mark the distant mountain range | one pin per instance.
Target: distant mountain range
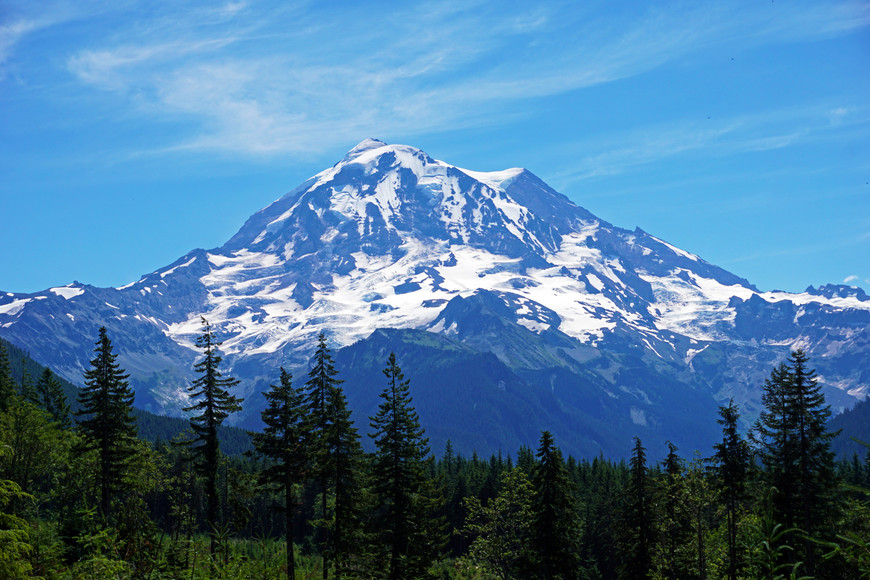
(510, 309)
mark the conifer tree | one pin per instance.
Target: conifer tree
(52, 398)
(28, 389)
(7, 383)
(334, 445)
(214, 403)
(637, 542)
(320, 387)
(730, 468)
(675, 522)
(555, 523)
(773, 436)
(283, 440)
(107, 424)
(795, 448)
(400, 477)
(344, 461)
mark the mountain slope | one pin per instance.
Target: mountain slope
(625, 331)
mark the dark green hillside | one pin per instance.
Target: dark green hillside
(854, 424)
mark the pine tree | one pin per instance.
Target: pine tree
(730, 468)
(51, 397)
(7, 383)
(795, 448)
(556, 527)
(283, 440)
(774, 439)
(344, 461)
(214, 403)
(107, 424)
(400, 477)
(675, 520)
(320, 388)
(637, 543)
(334, 444)
(28, 389)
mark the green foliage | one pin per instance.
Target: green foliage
(15, 544)
(637, 541)
(283, 441)
(101, 546)
(337, 467)
(502, 529)
(850, 550)
(7, 383)
(51, 397)
(405, 499)
(28, 389)
(106, 422)
(768, 550)
(731, 470)
(714, 518)
(795, 449)
(214, 403)
(159, 429)
(674, 556)
(35, 447)
(556, 526)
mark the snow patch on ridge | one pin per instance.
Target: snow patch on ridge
(168, 272)
(68, 292)
(495, 179)
(13, 307)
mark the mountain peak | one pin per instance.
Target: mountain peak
(363, 146)
(553, 313)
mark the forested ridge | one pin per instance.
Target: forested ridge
(92, 488)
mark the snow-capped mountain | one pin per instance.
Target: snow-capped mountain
(594, 332)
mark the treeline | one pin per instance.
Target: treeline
(82, 495)
(151, 427)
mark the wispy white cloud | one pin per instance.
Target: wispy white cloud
(11, 33)
(20, 19)
(622, 152)
(850, 279)
(266, 81)
(814, 247)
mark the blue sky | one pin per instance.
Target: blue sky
(132, 132)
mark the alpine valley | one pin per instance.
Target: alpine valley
(510, 309)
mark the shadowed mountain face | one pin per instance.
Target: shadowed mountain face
(510, 309)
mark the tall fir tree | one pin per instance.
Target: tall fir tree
(637, 532)
(401, 483)
(731, 465)
(106, 421)
(795, 448)
(556, 528)
(344, 461)
(214, 403)
(28, 388)
(322, 382)
(52, 398)
(337, 469)
(674, 554)
(7, 383)
(283, 440)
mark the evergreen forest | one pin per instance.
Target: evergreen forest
(91, 488)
